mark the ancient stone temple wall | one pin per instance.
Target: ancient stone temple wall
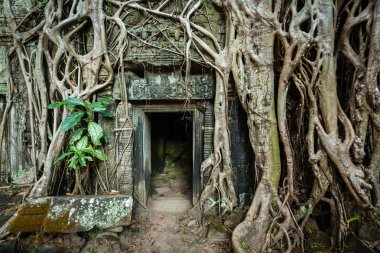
(156, 74)
(15, 158)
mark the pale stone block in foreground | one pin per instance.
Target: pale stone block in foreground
(69, 214)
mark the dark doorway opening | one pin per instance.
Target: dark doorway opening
(159, 120)
(171, 153)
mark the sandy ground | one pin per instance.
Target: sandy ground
(161, 227)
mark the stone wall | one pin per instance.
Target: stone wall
(15, 152)
(155, 74)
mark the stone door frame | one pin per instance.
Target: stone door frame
(142, 160)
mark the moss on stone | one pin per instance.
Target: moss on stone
(30, 218)
(61, 224)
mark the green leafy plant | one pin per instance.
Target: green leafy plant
(42, 4)
(107, 9)
(16, 188)
(86, 135)
(312, 247)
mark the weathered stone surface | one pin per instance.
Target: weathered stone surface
(104, 243)
(72, 240)
(168, 35)
(45, 249)
(72, 214)
(169, 86)
(123, 150)
(116, 229)
(125, 239)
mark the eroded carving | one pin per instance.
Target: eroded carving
(172, 86)
(124, 146)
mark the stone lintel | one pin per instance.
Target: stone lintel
(69, 214)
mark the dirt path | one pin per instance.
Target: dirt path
(161, 228)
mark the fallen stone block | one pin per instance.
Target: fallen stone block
(69, 214)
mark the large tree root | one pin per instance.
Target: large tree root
(261, 228)
(339, 145)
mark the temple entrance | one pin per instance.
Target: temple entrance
(167, 152)
(171, 154)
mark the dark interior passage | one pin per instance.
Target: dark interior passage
(171, 153)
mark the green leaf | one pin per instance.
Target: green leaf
(73, 162)
(42, 4)
(100, 155)
(63, 156)
(88, 158)
(71, 120)
(97, 105)
(107, 113)
(76, 135)
(303, 210)
(95, 131)
(211, 202)
(356, 217)
(88, 151)
(82, 143)
(73, 102)
(308, 230)
(244, 245)
(105, 101)
(55, 105)
(82, 161)
(98, 108)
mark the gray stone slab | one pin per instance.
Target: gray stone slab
(69, 214)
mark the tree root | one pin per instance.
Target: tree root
(261, 229)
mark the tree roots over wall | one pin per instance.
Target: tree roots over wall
(305, 72)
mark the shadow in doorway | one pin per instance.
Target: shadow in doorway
(171, 153)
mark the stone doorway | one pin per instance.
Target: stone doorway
(171, 153)
(167, 151)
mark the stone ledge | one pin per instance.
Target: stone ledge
(69, 214)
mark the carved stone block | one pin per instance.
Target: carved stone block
(170, 87)
(124, 146)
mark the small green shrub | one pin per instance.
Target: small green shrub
(107, 8)
(86, 135)
(16, 188)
